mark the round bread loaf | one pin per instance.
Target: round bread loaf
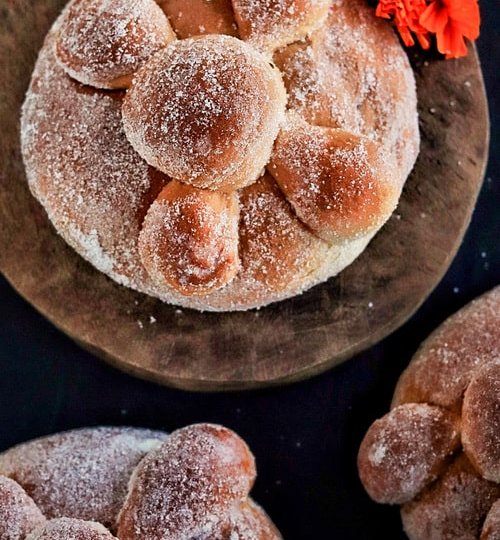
(138, 483)
(19, 515)
(446, 402)
(207, 111)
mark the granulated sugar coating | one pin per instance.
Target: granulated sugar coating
(82, 474)
(270, 24)
(405, 451)
(190, 484)
(350, 74)
(443, 366)
(453, 508)
(218, 104)
(337, 182)
(190, 238)
(491, 526)
(146, 485)
(70, 529)
(225, 103)
(446, 402)
(19, 515)
(481, 420)
(103, 41)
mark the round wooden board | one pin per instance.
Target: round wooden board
(287, 341)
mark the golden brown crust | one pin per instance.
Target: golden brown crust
(481, 420)
(97, 189)
(71, 529)
(19, 514)
(453, 508)
(270, 24)
(225, 107)
(443, 366)
(405, 451)
(189, 239)
(349, 74)
(200, 17)
(491, 526)
(189, 485)
(336, 181)
(103, 42)
(275, 246)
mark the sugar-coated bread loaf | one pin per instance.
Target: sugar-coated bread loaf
(207, 84)
(437, 451)
(137, 483)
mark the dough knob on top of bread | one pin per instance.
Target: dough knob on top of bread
(336, 181)
(187, 487)
(198, 17)
(206, 111)
(405, 451)
(481, 420)
(270, 24)
(19, 514)
(189, 239)
(70, 529)
(103, 42)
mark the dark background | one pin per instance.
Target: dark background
(306, 436)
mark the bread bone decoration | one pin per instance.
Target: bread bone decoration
(437, 452)
(132, 484)
(219, 155)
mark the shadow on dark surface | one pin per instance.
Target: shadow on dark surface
(305, 436)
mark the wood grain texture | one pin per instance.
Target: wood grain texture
(281, 343)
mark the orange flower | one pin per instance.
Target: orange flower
(451, 21)
(406, 15)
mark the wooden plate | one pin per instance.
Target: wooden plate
(285, 342)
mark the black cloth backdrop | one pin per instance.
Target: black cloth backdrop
(305, 436)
